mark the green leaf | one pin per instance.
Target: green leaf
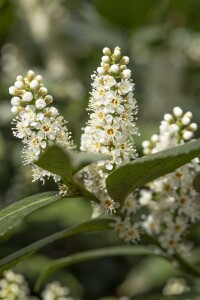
(56, 161)
(66, 163)
(135, 174)
(81, 160)
(89, 255)
(196, 183)
(93, 225)
(13, 214)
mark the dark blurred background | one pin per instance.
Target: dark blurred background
(62, 40)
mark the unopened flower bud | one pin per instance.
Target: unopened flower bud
(124, 60)
(187, 135)
(122, 68)
(19, 78)
(16, 109)
(48, 99)
(19, 84)
(168, 118)
(16, 101)
(105, 59)
(27, 97)
(126, 74)
(13, 91)
(34, 84)
(53, 111)
(101, 70)
(40, 104)
(177, 111)
(193, 127)
(146, 144)
(42, 91)
(39, 78)
(106, 51)
(174, 127)
(186, 120)
(147, 151)
(30, 75)
(114, 69)
(155, 138)
(117, 53)
(188, 114)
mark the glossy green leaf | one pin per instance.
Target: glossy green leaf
(13, 214)
(14, 258)
(89, 255)
(66, 163)
(135, 174)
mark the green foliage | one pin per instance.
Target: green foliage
(196, 183)
(13, 214)
(56, 161)
(66, 163)
(14, 258)
(143, 170)
(90, 255)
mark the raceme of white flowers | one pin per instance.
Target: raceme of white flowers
(171, 202)
(37, 124)
(111, 124)
(109, 130)
(14, 287)
(55, 291)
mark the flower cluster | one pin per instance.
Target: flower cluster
(127, 229)
(171, 201)
(13, 287)
(111, 125)
(37, 124)
(113, 108)
(55, 291)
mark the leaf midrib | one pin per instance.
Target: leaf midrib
(25, 207)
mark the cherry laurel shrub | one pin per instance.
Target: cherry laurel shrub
(152, 199)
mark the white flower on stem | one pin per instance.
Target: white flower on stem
(13, 287)
(172, 205)
(36, 124)
(55, 291)
(112, 120)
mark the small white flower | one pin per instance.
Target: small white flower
(37, 129)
